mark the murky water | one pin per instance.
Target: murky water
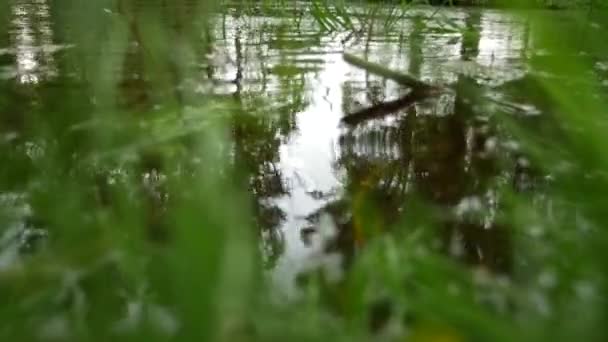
(310, 171)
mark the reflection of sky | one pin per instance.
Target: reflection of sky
(307, 161)
(502, 38)
(502, 45)
(32, 38)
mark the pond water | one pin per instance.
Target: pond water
(315, 177)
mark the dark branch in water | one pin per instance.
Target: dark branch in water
(420, 90)
(396, 76)
(381, 109)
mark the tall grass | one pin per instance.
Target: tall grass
(125, 213)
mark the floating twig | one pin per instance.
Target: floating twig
(396, 76)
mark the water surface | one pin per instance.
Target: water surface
(313, 176)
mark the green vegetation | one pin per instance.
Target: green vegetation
(134, 186)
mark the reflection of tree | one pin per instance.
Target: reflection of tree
(234, 60)
(443, 158)
(471, 35)
(256, 153)
(438, 150)
(266, 117)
